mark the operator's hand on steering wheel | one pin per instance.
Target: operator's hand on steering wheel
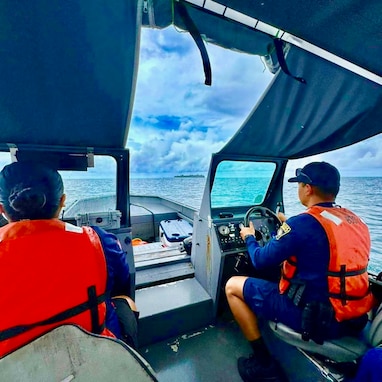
(281, 217)
(245, 231)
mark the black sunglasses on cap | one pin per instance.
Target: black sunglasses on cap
(302, 177)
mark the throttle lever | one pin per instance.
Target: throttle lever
(240, 257)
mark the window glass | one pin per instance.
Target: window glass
(241, 183)
(93, 190)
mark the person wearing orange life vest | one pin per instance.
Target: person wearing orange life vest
(53, 272)
(324, 288)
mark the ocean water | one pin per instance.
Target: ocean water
(361, 195)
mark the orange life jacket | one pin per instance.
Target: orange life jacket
(51, 273)
(348, 280)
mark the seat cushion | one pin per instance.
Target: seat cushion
(375, 333)
(344, 349)
(69, 352)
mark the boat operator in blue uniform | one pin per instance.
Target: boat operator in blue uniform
(324, 288)
(52, 272)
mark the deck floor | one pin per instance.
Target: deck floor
(209, 354)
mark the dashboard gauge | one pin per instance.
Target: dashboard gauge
(224, 230)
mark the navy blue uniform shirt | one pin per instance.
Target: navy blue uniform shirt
(117, 275)
(306, 239)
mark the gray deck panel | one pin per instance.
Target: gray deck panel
(169, 296)
(164, 273)
(170, 309)
(206, 355)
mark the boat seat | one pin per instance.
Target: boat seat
(344, 349)
(70, 353)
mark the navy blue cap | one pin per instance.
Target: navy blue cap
(321, 174)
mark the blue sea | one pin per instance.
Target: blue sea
(361, 195)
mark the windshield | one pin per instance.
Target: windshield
(93, 190)
(241, 183)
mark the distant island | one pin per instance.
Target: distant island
(189, 176)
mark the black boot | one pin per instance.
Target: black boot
(251, 370)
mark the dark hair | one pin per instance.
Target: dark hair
(30, 190)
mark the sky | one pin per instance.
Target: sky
(178, 122)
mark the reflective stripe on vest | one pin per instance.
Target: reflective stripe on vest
(53, 273)
(349, 245)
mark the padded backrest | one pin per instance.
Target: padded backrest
(375, 331)
(69, 353)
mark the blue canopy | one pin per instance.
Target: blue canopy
(67, 71)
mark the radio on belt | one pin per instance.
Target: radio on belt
(173, 232)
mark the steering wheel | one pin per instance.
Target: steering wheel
(243, 263)
(264, 211)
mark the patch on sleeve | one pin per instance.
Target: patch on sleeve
(283, 230)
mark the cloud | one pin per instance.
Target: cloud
(361, 159)
(175, 151)
(178, 122)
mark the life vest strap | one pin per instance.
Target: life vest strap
(295, 292)
(91, 304)
(342, 274)
(340, 296)
(347, 273)
(291, 261)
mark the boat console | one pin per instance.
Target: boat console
(233, 249)
(228, 229)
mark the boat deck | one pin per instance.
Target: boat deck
(210, 355)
